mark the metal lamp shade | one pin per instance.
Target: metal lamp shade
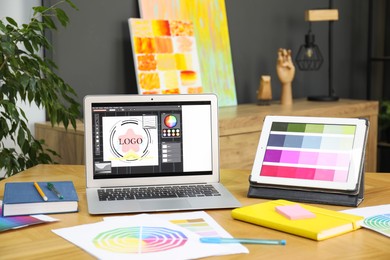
(309, 56)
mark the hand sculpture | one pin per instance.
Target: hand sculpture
(286, 72)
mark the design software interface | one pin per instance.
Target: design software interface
(153, 139)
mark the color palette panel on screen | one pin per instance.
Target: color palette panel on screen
(309, 151)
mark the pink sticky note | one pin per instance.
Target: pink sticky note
(294, 212)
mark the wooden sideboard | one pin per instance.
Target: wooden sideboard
(239, 129)
(67, 143)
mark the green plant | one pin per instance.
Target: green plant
(27, 77)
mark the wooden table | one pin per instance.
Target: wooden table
(39, 242)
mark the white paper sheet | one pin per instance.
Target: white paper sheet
(143, 236)
(376, 218)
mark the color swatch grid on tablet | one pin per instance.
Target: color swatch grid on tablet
(309, 151)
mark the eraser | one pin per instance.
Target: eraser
(294, 212)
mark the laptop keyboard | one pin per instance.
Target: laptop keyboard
(157, 192)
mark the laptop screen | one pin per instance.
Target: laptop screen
(151, 139)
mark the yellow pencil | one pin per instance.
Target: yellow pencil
(40, 191)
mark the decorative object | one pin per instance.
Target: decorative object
(286, 71)
(264, 94)
(165, 56)
(26, 77)
(309, 57)
(212, 39)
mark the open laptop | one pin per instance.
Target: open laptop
(147, 153)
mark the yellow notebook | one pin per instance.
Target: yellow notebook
(325, 224)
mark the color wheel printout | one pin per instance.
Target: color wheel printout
(139, 237)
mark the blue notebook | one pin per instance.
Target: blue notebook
(23, 198)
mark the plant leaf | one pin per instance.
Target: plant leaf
(72, 4)
(62, 17)
(49, 22)
(11, 21)
(39, 9)
(21, 137)
(8, 48)
(28, 46)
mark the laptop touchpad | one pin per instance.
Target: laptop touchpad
(164, 204)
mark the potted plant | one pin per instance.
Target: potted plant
(27, 77)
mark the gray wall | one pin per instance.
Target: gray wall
(94, 52)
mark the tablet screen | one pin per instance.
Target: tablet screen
(310, 152)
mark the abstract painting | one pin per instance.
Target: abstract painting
(165, 56)
(212, 39)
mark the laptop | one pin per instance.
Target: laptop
(152, 153)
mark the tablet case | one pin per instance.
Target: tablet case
(351, 198)
(312, 195)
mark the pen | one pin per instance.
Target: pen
(40, 191)
(51, 187)
(220, 240)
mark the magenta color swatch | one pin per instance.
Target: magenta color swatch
(269, 170)
(272, 155)
(301, 173)
(289, 156)
(309, 158)
(324, 175)
(327, 159)
(305, 173)
(286, 172)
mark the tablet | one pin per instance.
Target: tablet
(311, 152)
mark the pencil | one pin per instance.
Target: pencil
(40, 191)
